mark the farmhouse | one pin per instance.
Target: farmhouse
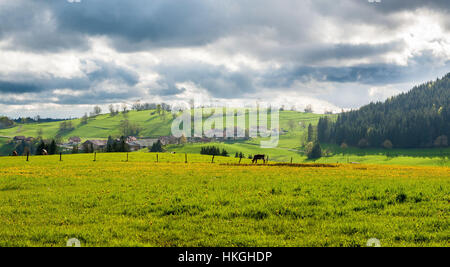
(215, 133)
(74, 140)
(95, 144)
(19, 138)
(131, 139)
(199, 139)
(166, 140)
(141, 143)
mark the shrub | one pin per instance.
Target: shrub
(316, 151)
(387, 144)
(363, 143)
(5, 122)
(211, 150)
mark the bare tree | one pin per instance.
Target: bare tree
(97, 110)
(309, 109)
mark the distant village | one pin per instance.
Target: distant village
(128, 142)
(133, 143)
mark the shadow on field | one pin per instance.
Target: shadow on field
(297, 165)
(390, 153)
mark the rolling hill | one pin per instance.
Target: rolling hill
(294, 126)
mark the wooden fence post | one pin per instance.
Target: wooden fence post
(28, 155)
(185, 158)
(240, 158)
(291, 160)
(127, 157)
(60, 156)
(157, 158)
(95, 156)
(212, 159)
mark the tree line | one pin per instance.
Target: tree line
(37, 147)
(419, 118)
(213, 151)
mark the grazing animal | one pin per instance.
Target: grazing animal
(44, 152)
(258, 157)
(15, 154)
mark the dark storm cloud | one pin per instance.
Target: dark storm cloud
(348, 51)
(50, 25)
(97, 97)
(110, 71)
(166, 88)
(26, 83)
(222, 83)
(401, 5)
(37, 84)
(419, 67)
(18, 87)
(158, 23)
(89, 97)
(141, 25)
(133, 25)
(31, 26)
(219, 81)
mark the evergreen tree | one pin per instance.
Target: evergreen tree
(42, 145)
(156, 147)
(224, 153)
(316, 151)
(310, 133)
(212, 150)
(53, 148)
(324, 129)
(110, 145)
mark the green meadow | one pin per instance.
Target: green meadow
(112, 202)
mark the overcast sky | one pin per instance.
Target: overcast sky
(58, 58)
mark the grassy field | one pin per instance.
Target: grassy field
(111, 202)
(411, 157)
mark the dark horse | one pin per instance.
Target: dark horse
(15, 154)
(258, 157)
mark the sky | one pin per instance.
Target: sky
(60, 58)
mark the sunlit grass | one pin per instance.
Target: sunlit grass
(112, 202)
